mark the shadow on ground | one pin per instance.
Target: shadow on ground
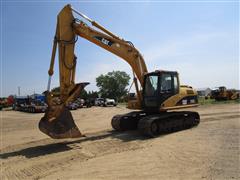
(63, 145)
(51, 148)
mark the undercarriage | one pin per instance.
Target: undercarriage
(153, 124)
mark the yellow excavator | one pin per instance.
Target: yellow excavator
(157, 93)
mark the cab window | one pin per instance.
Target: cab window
(151, 85)
(166, 83)
(169, 83)
(176, 84)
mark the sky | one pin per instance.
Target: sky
(198, 39)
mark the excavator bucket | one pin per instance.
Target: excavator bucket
(61, 127)
(58, 122)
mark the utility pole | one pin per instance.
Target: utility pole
(19, 90)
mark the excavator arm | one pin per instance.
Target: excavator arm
(57, 121)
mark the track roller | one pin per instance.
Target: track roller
(149, 126)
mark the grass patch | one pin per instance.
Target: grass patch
(122, 104)
(203, 101)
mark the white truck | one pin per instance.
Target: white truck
(105, 102)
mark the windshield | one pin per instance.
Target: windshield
(151, 84)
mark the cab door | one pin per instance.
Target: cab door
(151, 91)
(169, 86)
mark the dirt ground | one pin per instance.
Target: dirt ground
(208, 151)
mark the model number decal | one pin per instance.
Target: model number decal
(192, 101)
(184, 102)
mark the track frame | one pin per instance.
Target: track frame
(153, 124)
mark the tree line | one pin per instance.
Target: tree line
(111, 85)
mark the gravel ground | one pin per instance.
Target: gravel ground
(208, 151)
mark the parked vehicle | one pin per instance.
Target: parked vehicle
(6, 102)
(88, 103)
(99, 101)
(222, 93)
(105, 102)
(110, 102)
(72, 106)
(79, 102)
(27, 104)
(36, 107)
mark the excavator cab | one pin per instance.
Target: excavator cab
(158, 87)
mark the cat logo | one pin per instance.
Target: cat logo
(103, 40)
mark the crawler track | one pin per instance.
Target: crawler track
(154, 124)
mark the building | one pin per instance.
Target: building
(204, 91)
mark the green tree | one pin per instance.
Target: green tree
(87, 95)
(113, 84)
(92, 94)
(84, 94)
